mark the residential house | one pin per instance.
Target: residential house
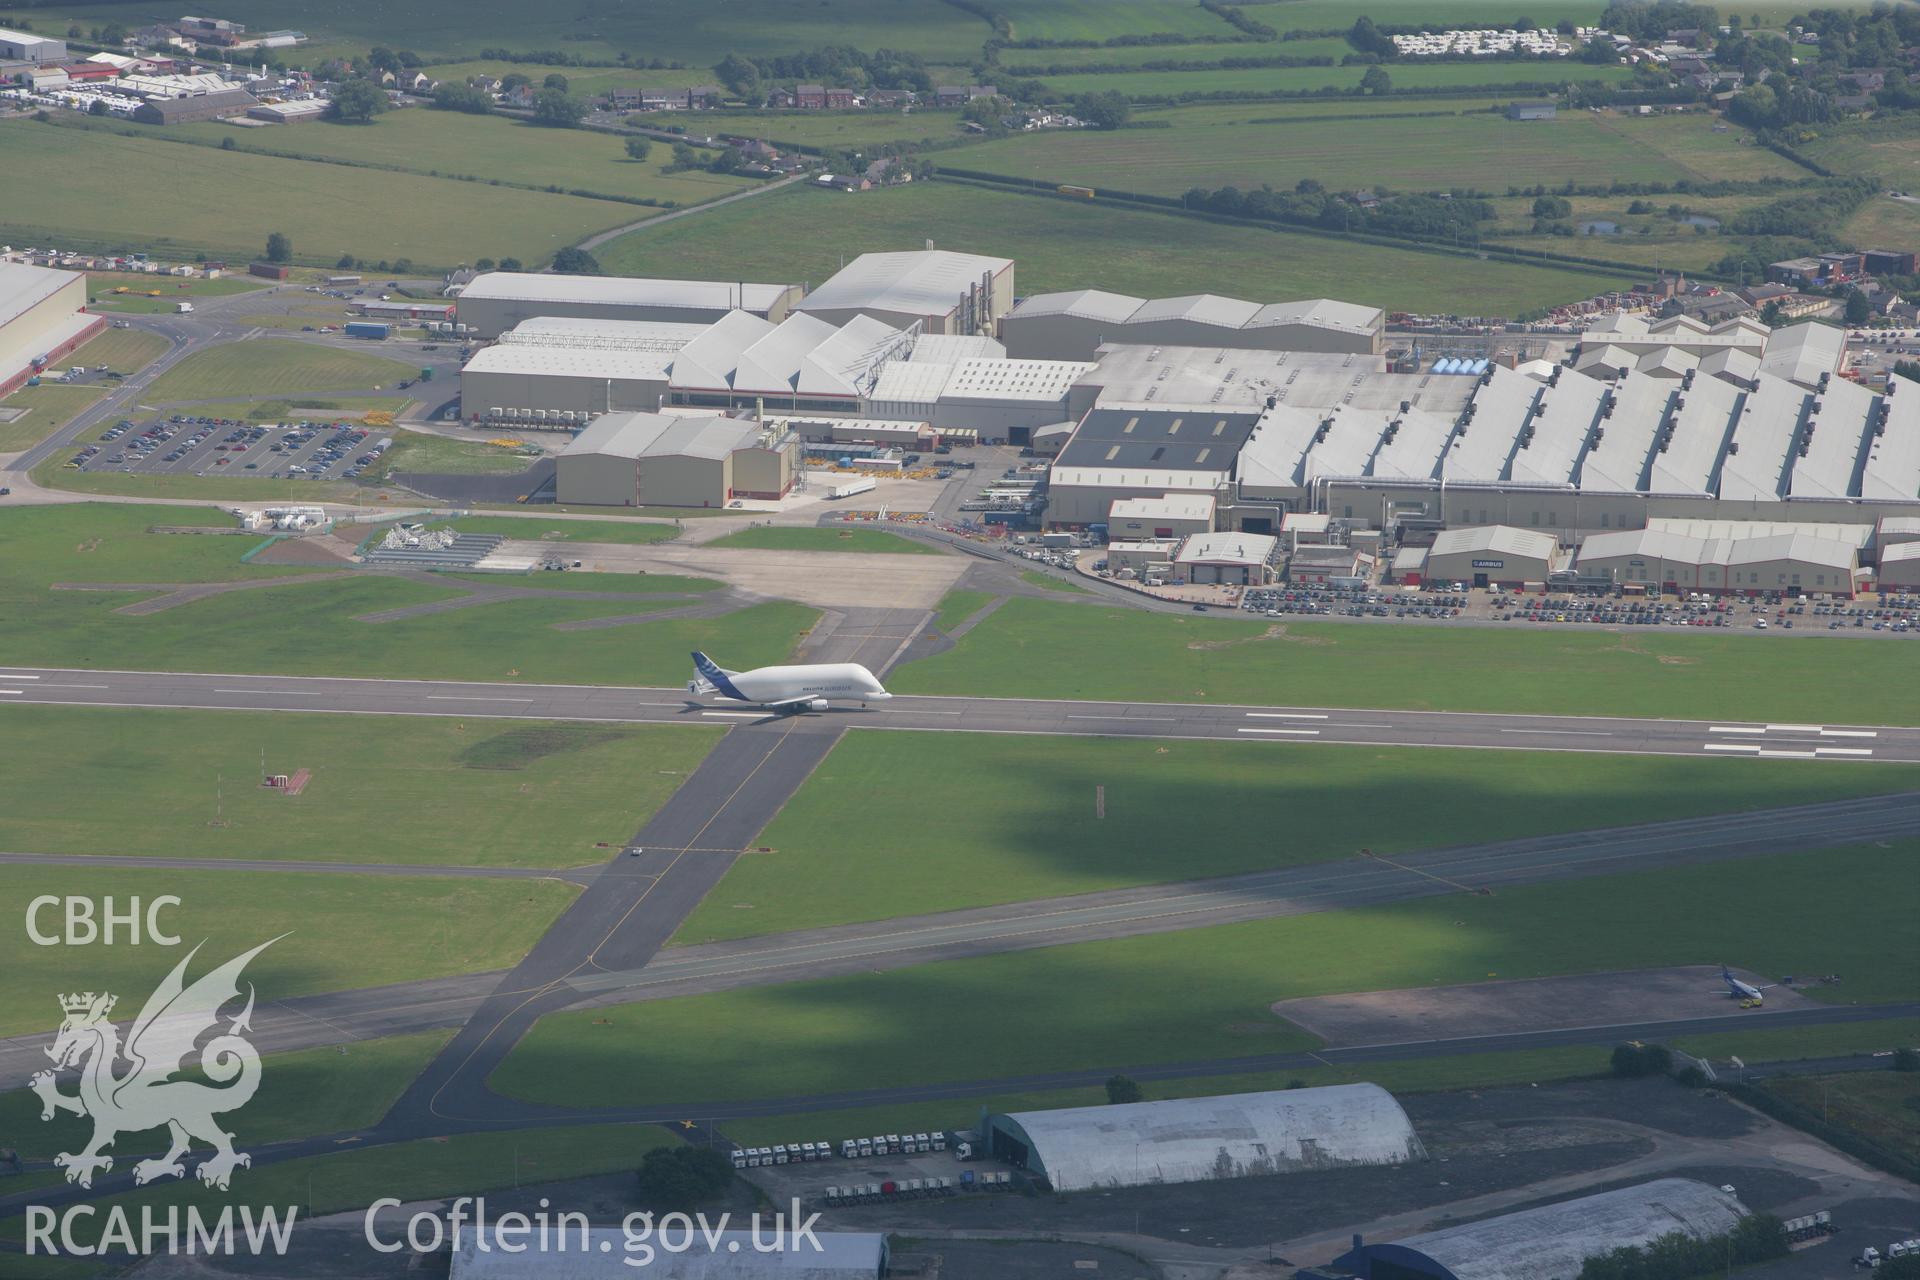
(957, 95)
(839, 99)
(810, 97)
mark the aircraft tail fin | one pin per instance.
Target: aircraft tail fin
(711, 677)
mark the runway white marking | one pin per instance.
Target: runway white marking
(305, 693)
(736, 715)
(1751, 747)
(1304, 733)
(1571, 733)
(12, 691)
(75, 686)
(1848, 733)
(16, 676)
(1775, 753)
(1843, 751)
(1795, 728)
(1154, 719)
(454, 697)
(1722, 728)
(1284, 715)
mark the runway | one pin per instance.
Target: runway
(1731, 739)
(555, 977)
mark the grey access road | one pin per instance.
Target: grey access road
(339, 1017)
(1732, 738)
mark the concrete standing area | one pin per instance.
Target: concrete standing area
(824, 579)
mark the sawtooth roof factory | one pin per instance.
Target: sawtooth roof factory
(1201, 1139)
(1073, 326)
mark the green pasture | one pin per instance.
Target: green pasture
(1252, 81)
(384, 789)
(273, 366)
(1206, 992)
(315, 628)
(1105, 19)
(1040, 648)
(854, 845)
(1028, 62)
(807, 235)
(851, 130)
(341, 932)
(119, 192)
(1888, 149)
(800, 538)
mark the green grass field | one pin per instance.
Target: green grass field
(1878, 1105)
(849, 129)
(1030, 62)
(341, 931)
(1105, 19)
(123, 350)
(1039, 648)
(430, 454)
(1206, 992)
(1259, 80)
(48, 408)
(1883, 221)
(1888, 149)
(1327, 15)
(1216, 146)
(315, 632)
(384, 789)
(957, 606)
(54, 474)
(794, 538)
(452, 144)
(854, 845)
(326, 210)
(425, 1169)
(1059, 244)
(304, 1093)
(1052, 582)
(273, 366)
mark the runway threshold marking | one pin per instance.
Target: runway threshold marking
(15, 676)
(1284, 715)
(12, 691)
(1303, 733)
(1781, 753)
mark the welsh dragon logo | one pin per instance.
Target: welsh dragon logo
(146, 1095)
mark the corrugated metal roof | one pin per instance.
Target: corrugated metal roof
(1834, 439)
(1900, 553)
(653, 435)
(1802, 352)
(608, 335)
(1174, 506)
(1348, 447)
(1275, 455)
(1806, 548)
(605, 1254)
(919, 282)
(1564, 416)
(1755, 468)
(1496, 537)
(1501, 407)
(1034, 381)
(1695, 527)
(1555, 1240)
(1236, 1135)
(1618, 463)
(1893, 455)
(1319, 313)
(1686, 459)
(1083, 304)
(571, 362)
(24, 287)
(1200, 308)
(526, 286)
(1412, 445)
(952, 348)
(1228, 548)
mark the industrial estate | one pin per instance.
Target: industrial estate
(1183, 641)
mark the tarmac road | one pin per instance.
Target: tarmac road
(1473, 730)
(339, 1017)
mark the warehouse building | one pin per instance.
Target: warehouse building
(1733, 349)
(1795, 561)
(24, 46)
(944, 292)
(801, 365)
(191, 108)
(41, 320)
(1202, 1139)
(1493, 555)
(551, 366)
(1554, 1240)
(607, 1253)
(1073, 326)
(1176, 515)
(1127, 452)
(1899, 567)
(646, 459)
(496, 301)
(1228, 559)
(1149, 559)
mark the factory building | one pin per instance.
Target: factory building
(1073, 326)
(192, 108)
(1127, 452)
(1554, 1240)
(1203, 1139)
(1150, 559)
(41, 320)
(944, 292)
(1733, 350)
(1493, 555)
(1796, 560)
(496, 301)
(803, 364)
(1176, 515)
(1899, 567)
(24, 46)
(646, 459)
(606, 1253)
(551, 366)
(1229, 559)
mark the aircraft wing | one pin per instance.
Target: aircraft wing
(794, 701)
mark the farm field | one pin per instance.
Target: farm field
(316, 629)
(1030, 62)
(1257, 80)
(1883, 222)
(1105, 19)
(698, 32)
(586, 82)
(792, 235)
(400, 928)
(384, 789)
(304, 1093)
(271, 366)
(1206, 992)
(852, 846)
(326, 210)
(1888, 149)
(1038, 648)
(1217, 146)
(453, 144)
(48, 408)
(849, 129)
(804, 539)
(1328, 15)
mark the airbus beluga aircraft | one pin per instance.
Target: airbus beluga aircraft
(788, 690)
